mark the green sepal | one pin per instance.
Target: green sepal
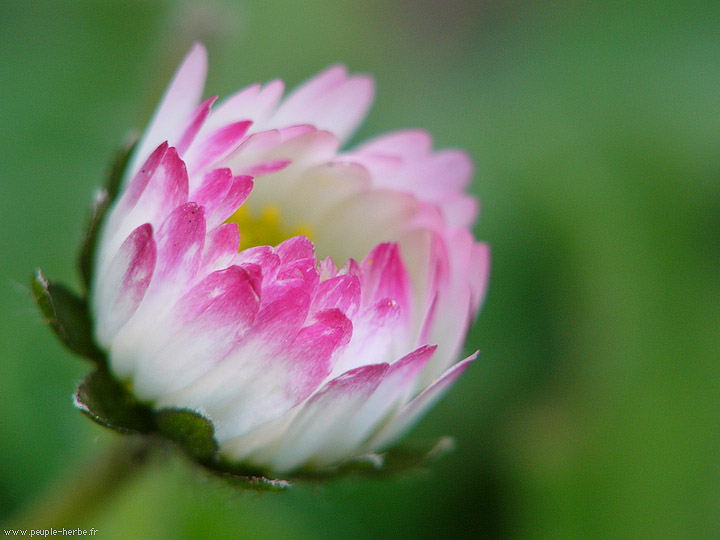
(246, 476)
(68, 316)
(117, 169)
(189, 429)
(407, 459)
(103, 199)
(414, 457)
(110, 404)
(86, 259)
(195, 434)
(399, 460)
(257, 483)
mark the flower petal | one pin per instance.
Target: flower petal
(240, 189)
(331, 101)
(206, 325)
(300, 149)
(122, 287)
(180, 243)
(381, 215)
(194, 124)
(404, 161)
(479, 273)
(319, 426)
(274, 367)
(254, 103)
(295, 249)
(156, 191)
(221, 247)
(217, 146)
(389, 396)
(384, 276)
(213, 189)
(339, 292)
(320, 189)
(412, 412)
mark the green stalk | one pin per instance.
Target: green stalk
(71, 503)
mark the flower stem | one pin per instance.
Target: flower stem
(71, 503)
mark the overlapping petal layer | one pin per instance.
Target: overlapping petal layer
(298, 362)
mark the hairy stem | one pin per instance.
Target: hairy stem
(70, 504)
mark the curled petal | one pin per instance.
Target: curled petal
(214, 188)
(273, 370)
(122, 287)
(324, 419)
(206, 325)
(384, 276)
(296, 148)
(181, 97)
(240, 188)
(197, 119)
(254, 103)
(413, 411)
(404, 161)
(385, 401)
(295, 249)
(331, 101)
(310, 354)
(221, 246)
(137, 186)
(216, 146)
(180, 243)
(339, 292)
(159, 187)
(179, 246)
(262, 256)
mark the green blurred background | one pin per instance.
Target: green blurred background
(593, 409)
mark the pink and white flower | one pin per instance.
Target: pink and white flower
(310, 301)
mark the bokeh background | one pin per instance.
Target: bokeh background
(595, 126)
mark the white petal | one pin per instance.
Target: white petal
(177, 104)
(414, 410)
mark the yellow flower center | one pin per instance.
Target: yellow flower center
(265, 228)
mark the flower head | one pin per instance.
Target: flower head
(310, 301)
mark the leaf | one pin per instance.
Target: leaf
(106, 401)
(67, 315)
(103, 199)
(190, 429)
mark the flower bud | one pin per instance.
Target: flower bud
(265, 297)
